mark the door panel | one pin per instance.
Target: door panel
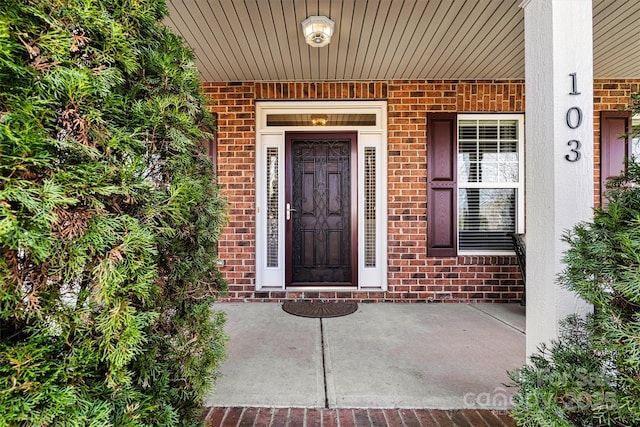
(321, 231)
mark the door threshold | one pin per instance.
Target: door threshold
(321, 289)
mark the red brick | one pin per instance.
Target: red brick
(233, 416)
(361, 417)
(263, 418)
(377, 418)
(280, 417)
(393, 418)
(425, 418)
(313, 418)
(248, 417)
(296, 417)
(215, 417)
(505, 418)
(329, 418)
(492, 418)
(441, 417)
(459, 419)
(402, 417)
(475, 419)
(345, 418)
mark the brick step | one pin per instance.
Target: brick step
(314, 417)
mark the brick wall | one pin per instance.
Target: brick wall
(413, 277)
(235, 108)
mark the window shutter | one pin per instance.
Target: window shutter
(441, 184)
(613, 149)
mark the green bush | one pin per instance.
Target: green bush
(109, 219)
(590, 375)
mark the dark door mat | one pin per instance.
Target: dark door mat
(319, 308)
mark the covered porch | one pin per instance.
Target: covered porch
(556, 49)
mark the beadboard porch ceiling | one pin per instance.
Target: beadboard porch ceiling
(261, 40)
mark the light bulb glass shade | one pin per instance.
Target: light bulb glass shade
(317, 30)
(318, 120)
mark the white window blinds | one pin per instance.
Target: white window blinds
(488, 183)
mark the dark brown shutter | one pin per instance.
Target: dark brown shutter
(614, 149)
(441, 184)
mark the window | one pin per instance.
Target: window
(273, 203)
(615, 149)
(370, 206)
(319, 120)
(490, 182)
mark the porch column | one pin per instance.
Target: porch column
(559, 152)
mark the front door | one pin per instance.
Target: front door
(320, 211)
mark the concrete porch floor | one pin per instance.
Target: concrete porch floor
(412, 356)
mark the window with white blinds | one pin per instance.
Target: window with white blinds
(489, 182)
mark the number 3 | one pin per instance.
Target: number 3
(575, 150)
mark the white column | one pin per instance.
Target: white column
(559, 152)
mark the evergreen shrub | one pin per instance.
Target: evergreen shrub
(109, 219)
(590, 375)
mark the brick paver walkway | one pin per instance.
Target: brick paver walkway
(304, 417)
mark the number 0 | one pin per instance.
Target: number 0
(574, 117)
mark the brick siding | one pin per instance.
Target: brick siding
(412, 276)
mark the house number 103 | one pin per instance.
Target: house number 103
(574, 120)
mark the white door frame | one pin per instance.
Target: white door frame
(270, 164)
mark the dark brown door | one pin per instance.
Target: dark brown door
(614, 147)
(321, 209)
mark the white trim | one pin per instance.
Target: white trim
(525, 3)
(371, 278)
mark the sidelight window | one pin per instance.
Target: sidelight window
(273, 210)
(370, 206)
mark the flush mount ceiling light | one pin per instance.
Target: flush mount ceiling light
(318, 120)
(317, 30)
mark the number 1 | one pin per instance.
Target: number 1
(574, 84)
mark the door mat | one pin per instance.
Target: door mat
(319, 308)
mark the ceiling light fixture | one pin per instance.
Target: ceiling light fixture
(317, 30)
(319, 120)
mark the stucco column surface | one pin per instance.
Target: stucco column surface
(559, 152)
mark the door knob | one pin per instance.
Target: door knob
(289, 210)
